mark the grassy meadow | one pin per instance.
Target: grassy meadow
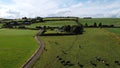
(105, 21)
(80, 48)
(16, 46)
(115, 30)
(53, 23)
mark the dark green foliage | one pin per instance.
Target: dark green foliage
(95, 24)
(33, 20)
(67, 28)
(39, 19)
(45, 28)
(86, 25)
(7, 25)
(77, 29)
(38, 27)
(24, 18)
(100, 24)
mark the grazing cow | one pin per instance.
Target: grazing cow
(67, 62)
(71, 64)
(45, 49)
(57, 56)
(98, 58)
(93, 63)
(116, 62)
(60, 59)
(80, 65)
(64, 52)
(103, 61)
(107, 64)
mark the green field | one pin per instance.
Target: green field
(114, 30)
(1, 25)
(80, 48)
(53, 23)
(105, 21)
(16, 46)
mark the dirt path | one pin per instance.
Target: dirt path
(38, 52)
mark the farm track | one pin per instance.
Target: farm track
(37, 53)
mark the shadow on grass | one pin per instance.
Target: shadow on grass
(59, 34)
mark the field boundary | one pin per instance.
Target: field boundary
(113, 35)
(37, 53)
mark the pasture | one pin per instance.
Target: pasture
(16, 46)
(80, 50)
(105, 21)
(53, 23)
(115, 30)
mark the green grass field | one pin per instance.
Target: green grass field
(53, 23)
(114, 30)
(16, 46)
(0, 25)
(105, 21)
(80, 48)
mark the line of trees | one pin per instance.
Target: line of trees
(99, 25)
(76, 29)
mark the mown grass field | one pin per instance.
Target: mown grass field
(16, 46)
(115, 30)
(95, 42)
(53, 23)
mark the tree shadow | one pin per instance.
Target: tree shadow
(59, 34)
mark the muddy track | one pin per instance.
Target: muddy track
(38, 52)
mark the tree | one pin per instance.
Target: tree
(78, 29)
(111, 25)
(15, 23)
(67, 28)
(40, 19)
(86, 25)
(24, 17)
(7, 25)
(100, 24)
(33, 20)
(45, 28)
(95, 24)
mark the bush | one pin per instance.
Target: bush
(77, 29)
(38, 27)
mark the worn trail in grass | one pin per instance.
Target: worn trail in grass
(80, 48)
